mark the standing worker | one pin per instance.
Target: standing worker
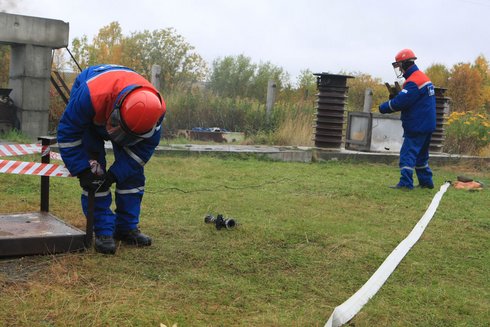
(110, 102)
(417, 104)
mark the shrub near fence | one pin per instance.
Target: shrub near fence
(467, 132)
(186, 110)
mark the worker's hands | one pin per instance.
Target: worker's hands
(90, 181)
(109, 179)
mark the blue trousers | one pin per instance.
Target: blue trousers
(414, 156)
(128, 194)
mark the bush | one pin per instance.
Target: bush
(467, 132)
(201, 108)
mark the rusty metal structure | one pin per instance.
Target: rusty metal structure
(442, 112)
(332, 95)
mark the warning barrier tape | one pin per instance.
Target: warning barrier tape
(30, 168)
(33, 168)
(8, 150)
(347, 310)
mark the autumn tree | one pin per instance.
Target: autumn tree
(107, 44)
(483, 68)
(438, 74)
(465, 88)
(179, 62)
(82, 53)
(357, 90)
(4, 65)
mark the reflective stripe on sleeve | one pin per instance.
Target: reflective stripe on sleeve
(69, 144)
(391, 108)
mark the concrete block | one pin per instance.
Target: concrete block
(31, 93)
(19, 29)
(34, 123)
(30, 60)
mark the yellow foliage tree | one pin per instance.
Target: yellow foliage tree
(465, 88)
(438, 74)
(483, 67)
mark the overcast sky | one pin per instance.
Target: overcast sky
(320, 35)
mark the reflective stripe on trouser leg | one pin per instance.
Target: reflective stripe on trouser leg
(128, 202)
(128, 208)
(408, 154)
(424, 173)
(104, 218)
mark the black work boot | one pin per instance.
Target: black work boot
(400, 187)
(133, 237)
(105, 244)
(429, 186)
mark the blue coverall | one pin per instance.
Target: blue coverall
(81, 137)
(417, 104)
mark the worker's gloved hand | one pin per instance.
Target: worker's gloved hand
(109, 179)
(384, 108)
(90, 181)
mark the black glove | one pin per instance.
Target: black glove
(109, 179)
(89, 181)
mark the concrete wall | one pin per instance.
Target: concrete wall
(32, 40)
(30, 70)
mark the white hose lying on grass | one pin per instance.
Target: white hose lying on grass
(347, 310)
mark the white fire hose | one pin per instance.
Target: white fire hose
(347, 310)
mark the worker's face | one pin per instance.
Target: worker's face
(397, 66)
(118, 132)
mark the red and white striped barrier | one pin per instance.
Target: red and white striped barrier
(8, 150)
(30, 168)
(33, 168)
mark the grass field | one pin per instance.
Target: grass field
(309, 236)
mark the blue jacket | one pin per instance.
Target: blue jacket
(92, 99)
(416, 101)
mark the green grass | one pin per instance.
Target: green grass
(14, 135)
(309, 236)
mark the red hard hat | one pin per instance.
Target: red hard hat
(405, 54)
(141, 110)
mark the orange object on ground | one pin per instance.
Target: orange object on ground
(472, 185)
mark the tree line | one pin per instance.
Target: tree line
(467, 84)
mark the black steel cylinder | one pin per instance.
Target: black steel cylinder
(332, 95)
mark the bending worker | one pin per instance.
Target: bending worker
(109, 102)
(417, 104)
